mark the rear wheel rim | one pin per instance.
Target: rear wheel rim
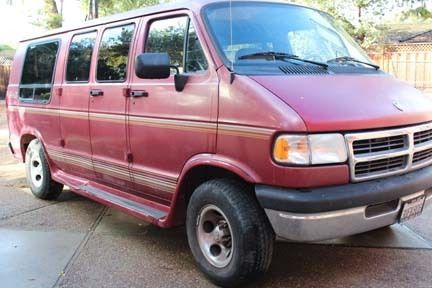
(215, 236)
(36, 170)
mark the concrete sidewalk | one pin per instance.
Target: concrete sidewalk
(74, 242)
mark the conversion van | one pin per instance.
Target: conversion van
(243, 120)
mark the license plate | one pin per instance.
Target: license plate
(412, 208)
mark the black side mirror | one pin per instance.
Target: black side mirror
(153, 66)
(157, 66)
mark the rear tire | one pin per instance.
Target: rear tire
(228, 232)
(39, 174)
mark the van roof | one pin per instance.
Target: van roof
(194, 6)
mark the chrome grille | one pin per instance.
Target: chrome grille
(390, 152)
(422, 137)
(367, 146)
(378, 166)
(422, 156)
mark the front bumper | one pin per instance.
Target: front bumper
(333, 212)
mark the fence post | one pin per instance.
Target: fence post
(4, 79)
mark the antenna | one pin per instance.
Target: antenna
(231, 34)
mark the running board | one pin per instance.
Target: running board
(119, 201)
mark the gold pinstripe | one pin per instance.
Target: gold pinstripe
(245, 131)
(243, 134)
(80, 162)
(154, 181)
(157, 179)
(174, 124)
(224, 129)
(143, 175)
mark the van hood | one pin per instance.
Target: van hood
(350, 102)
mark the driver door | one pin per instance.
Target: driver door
(166, 127)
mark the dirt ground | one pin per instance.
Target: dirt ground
(74, 242)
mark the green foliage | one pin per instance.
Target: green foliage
(6, 48)
(170, 40)
(365, 33)
(54, 21)
(109, 7)
(113, 53)
(49, 16)
(419, 14)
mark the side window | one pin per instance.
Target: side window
(168, 35)
(195, 59)
(38, 72)
(79, 59)
(173, 35)
(114, 53)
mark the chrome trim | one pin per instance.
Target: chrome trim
(332, 224)
(408, 150)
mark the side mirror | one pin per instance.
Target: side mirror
(157, 66)
(153, 66)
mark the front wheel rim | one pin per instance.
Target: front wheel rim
(215, 236)
(36, 170)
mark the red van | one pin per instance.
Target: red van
(241, 120)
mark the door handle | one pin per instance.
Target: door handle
(95, 93)
(138, 93)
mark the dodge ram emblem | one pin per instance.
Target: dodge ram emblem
(398, 106)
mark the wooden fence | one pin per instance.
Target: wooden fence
(4, 79)
(411, 62)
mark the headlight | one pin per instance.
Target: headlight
(310, 149)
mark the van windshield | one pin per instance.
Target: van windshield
(248, 33)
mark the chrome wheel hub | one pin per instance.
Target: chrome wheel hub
(215, 236)
(36, 171)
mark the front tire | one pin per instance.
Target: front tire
(39, 174)
(228, 232)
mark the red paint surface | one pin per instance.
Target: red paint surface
(344, 102)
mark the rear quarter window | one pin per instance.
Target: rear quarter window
(38, 72)
(79, 58)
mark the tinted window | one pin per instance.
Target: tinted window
(195, 59)
(38, 71)
(114, 52)
(79, 59)
(168, 35)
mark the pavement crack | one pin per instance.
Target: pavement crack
(29, 211)
(80, 247)
(34, 209)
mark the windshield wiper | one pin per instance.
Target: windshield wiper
(345, 59)
(280, 56)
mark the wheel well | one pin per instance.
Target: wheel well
(198, 175)
(25, 141)
(194, 178)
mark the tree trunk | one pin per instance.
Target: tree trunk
(360, 14)
(53, 6)
(90, 10)
(96, 7)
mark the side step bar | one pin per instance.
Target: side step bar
(123, 202)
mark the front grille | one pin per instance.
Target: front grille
(376, 145)
(390, 152)
(422, 137)
(422, 156)
(380, 166)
